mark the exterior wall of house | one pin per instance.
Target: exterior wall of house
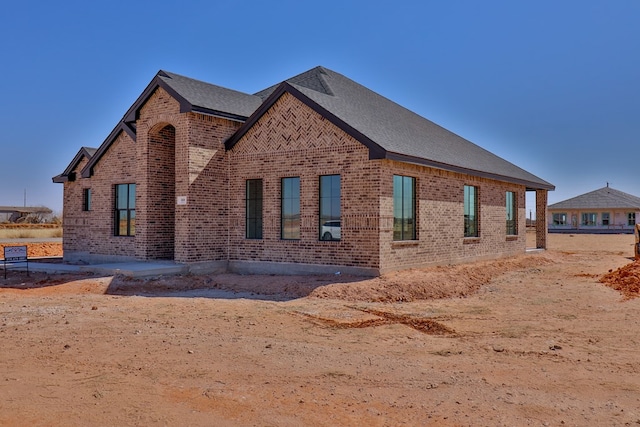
(618, 219)
(174, 155)
(76, 223)
(89, 236)
(190, 198)
(182, 172)
(440, 219)
(291, 140)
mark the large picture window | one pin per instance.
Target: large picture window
(290, 211)
(471, 211)
(125, 210)
(404, 208)
(253, 218)
(511, 213)
(330, 227)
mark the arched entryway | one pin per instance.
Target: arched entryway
(161, 192)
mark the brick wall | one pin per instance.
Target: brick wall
(90, 235)
(292, 140)
(182, 155)
(440, 219)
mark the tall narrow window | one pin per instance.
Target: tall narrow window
(254, 209)
(330, 228)
(605, 218)
(470, 211)
(86, 199)
(125, 210)
(404, 208)
(631, 218)
(511, 213)
(290, 213)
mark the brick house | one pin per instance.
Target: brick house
(315, 174)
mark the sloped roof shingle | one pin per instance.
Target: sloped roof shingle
(388, 129)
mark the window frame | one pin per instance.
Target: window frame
(555, 218)
(404, 208)
(86, 199)
(329, 201)
(511, 205)
(631, 219)
(128, 208)
(607, 218)
(254, 202)
(471, 225)
(589, 219)
(289, 207)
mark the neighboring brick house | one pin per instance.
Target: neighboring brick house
(315, 174)
(601, 210)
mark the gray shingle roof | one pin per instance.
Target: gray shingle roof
(211, 97)
(603, 198)
(401, 133)
(388, 129)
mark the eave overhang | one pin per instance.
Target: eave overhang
(69, 174)
(127, 128)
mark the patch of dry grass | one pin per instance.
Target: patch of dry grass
(30, 233)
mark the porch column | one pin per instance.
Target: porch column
(541, 219)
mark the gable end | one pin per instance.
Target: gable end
(375, 151)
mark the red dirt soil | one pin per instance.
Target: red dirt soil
(531, 340)
(36, 250)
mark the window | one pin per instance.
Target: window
(253, 220)
(330, 228)
(86, 199)
(404, 208)
(125, 211)
(605, 218)
(290, 211)
(589, 218)
(470, 211)
(631, 218)
(511, 213)
(560, 219)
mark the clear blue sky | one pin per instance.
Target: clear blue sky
(552, 86)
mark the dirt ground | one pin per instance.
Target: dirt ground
(533, 340)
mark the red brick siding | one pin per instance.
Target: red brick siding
(183, 154)
(293, 140)
(440, 231)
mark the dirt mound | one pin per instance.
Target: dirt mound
(625, 280)
(428, 283)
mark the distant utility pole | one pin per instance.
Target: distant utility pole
(25, 197)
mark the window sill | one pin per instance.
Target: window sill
(470, 240)
(512, 237)
(404, 243)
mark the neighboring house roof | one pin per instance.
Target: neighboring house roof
(25, 209)
(389, 130)
(603, 198)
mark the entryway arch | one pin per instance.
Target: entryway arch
(161, 191)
